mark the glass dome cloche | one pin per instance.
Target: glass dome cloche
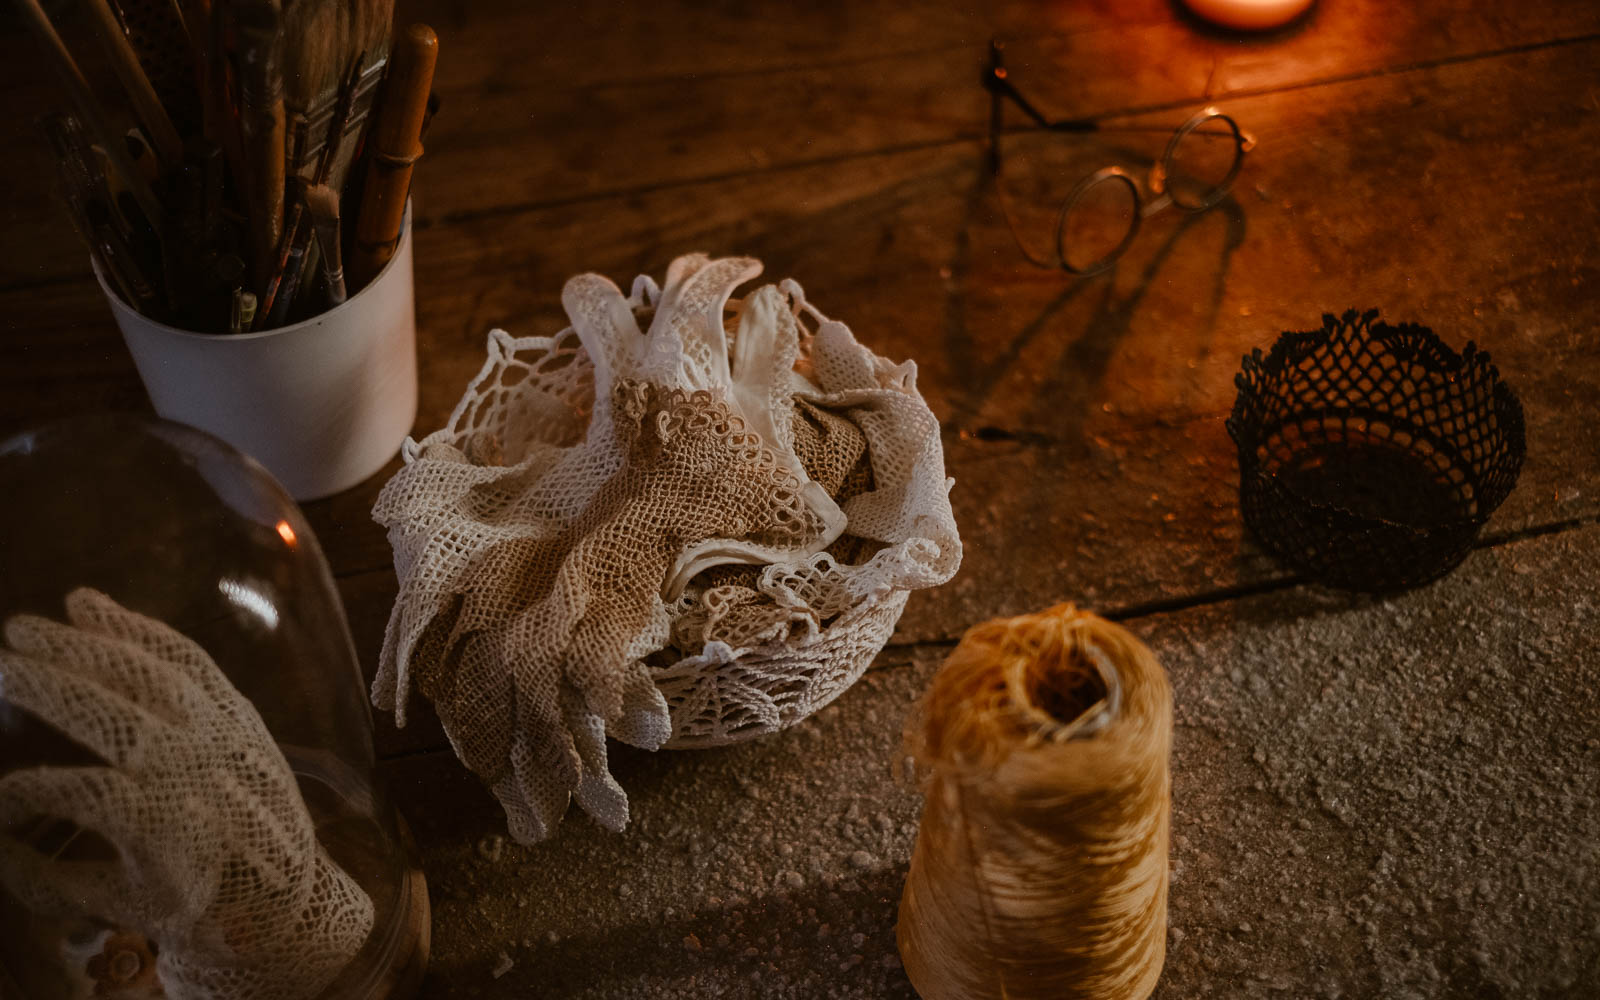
(188, 799)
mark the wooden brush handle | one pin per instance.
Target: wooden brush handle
(395, 148)
(89, 110)
(205, 25)
(125, 63)
(261, 127)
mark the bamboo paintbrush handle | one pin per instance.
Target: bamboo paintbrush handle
(396, 147)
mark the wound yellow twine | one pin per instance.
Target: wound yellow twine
(1040, 869)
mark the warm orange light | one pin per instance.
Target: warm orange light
(286, 533)
(1249, 15)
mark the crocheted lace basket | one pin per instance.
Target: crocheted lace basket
(684, 537)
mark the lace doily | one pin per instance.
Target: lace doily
(684, 537)
(216, 860)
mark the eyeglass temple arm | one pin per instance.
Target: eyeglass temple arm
(1001, 87)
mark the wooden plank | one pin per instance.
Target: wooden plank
(60, 354)
(1349, 817)
(605, 134)
(555, 102)
(569, 48)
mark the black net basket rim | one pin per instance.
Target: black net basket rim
(1447, 407)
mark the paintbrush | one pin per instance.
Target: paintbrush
(205, 23)
(101, 210)
(130, 221)
(395, 149)
(105, 183)
(75, 170)
(121, 267)
(140, 153)
(314, 63)
(186, 250)
(335, 54)
(208, 157)
(146, 247)
(86, 169)
(89, 111)
(125, 63)
(322, 202)
(343, 109)
(281, 296)
(261, 119)
(156, 33)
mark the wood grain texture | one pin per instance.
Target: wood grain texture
(670, 93)
(622, 130)
(1085, 417)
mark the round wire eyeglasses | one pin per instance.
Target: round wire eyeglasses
(1196, 171)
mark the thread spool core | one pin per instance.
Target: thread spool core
(1070, 698)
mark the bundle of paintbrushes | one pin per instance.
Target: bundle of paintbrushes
(272, 139)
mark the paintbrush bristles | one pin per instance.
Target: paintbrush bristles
(315, 52)
(340, 48)
(323, 203)
(369, 30)
(321, 38)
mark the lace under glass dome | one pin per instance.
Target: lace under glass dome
(188, 804)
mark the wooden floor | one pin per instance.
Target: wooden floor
(1435, 160)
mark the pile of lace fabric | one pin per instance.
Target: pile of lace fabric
(683, 535)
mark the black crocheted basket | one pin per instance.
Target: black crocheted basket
(1371, 455)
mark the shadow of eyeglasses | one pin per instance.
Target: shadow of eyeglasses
(1177, 179)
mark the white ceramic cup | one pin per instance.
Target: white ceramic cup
(323, 403)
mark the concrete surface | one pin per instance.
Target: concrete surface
(1372, 798)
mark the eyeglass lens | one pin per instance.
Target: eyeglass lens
(1202, 161)
(1098, 222)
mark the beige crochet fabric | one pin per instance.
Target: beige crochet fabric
(217, 862)
(612, 517)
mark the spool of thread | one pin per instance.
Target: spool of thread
(1040, 869)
